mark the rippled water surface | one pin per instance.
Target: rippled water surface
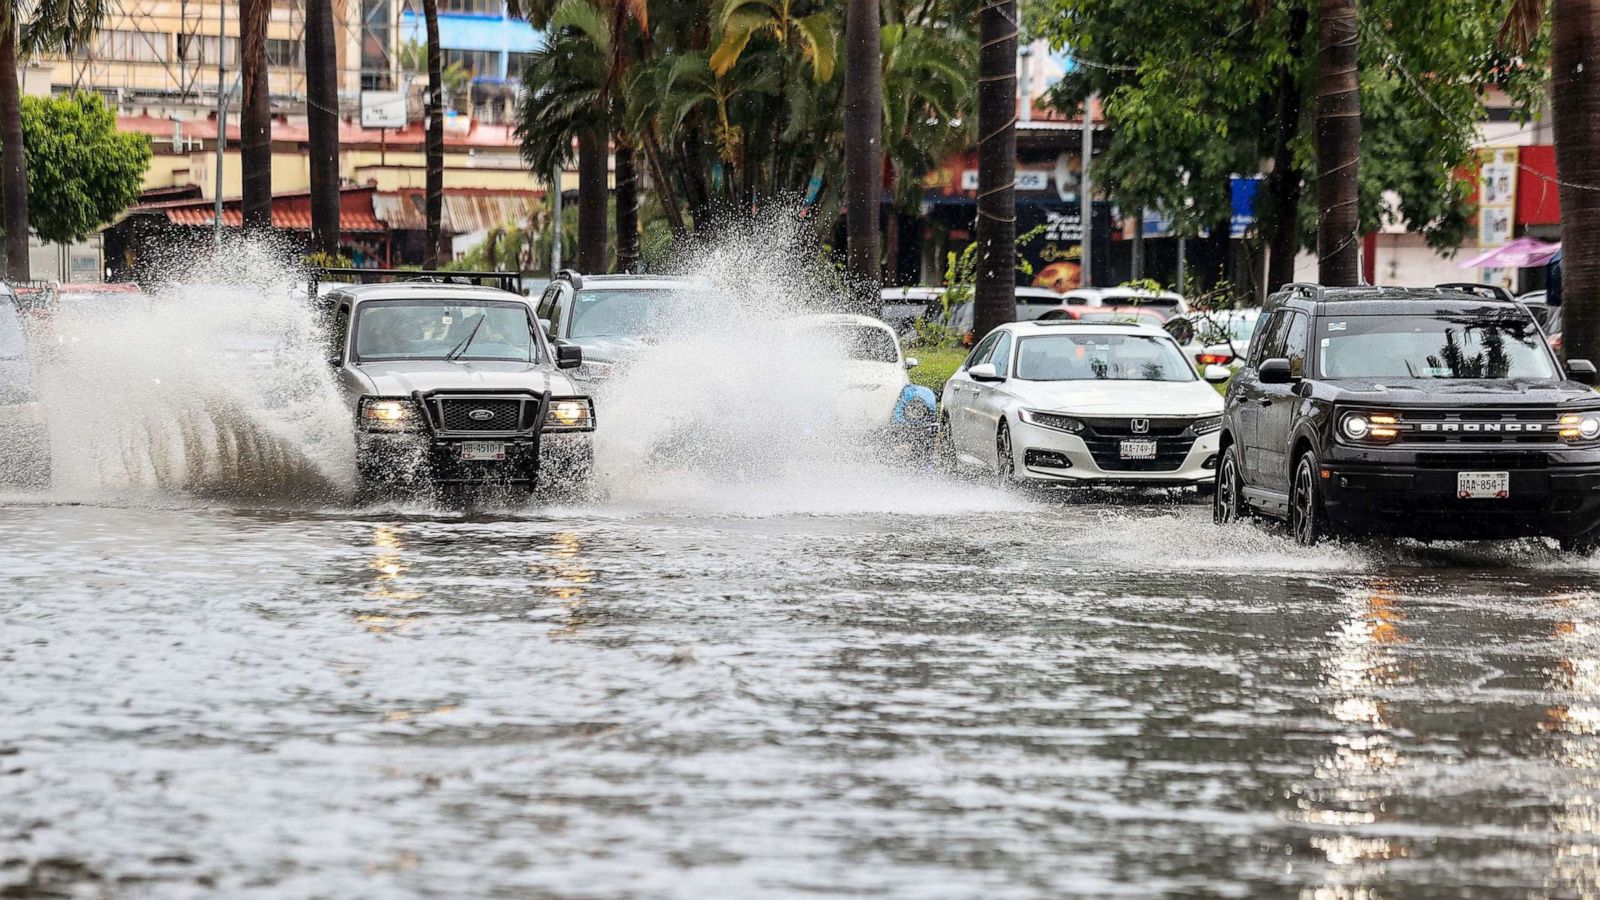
(955, 695)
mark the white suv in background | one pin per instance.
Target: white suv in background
(1064, 402)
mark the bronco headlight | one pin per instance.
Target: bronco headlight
(380, 414)
(1054, 421)
(1577, 427)
(1370, 428)
(569, 414)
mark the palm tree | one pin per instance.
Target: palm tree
(863, 149)
(322, 125)
(255, 118)
(1575, 104)
(1338, 140)
(55, 25)
(995, 299)
(433, 111)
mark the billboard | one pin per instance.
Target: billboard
(383, 109)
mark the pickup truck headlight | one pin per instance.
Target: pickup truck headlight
(390, 414)
(1054, 421)
(569, 414)
(1580, 427)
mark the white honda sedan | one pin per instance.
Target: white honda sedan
(1065, 402)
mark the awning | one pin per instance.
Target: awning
(286, 219)
(465, 211)
(464, 32)
(1522, 253)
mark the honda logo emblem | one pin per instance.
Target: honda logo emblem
(481, 415)
(1139, 426)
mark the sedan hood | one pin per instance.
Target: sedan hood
(1460, 392)
(1121, 398)
(398, 378)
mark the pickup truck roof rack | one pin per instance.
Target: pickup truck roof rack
(506, 281)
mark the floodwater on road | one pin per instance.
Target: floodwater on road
(928, 692)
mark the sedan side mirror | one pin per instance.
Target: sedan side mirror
(1581, 371)
(984, 372)
(912, 362)
(568, 356)
(1275, 371)
(1216, 374)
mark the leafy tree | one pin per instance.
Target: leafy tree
(1196, 92)
(82, 172)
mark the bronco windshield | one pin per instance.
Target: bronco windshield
(631, 313)
(445, 329)
(1475, 347)
(1101, 357)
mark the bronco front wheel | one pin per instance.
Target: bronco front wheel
(1306, 519)
(1227, 502)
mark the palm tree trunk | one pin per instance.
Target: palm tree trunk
(663, 185)
(591, 200)
(863, 150)
(14, 172)
(627, 209)
(1575, 88)
(1338, 146)
(1283, 186)
(322, 125)
(433, 205)
(255, 116)
(995, 300)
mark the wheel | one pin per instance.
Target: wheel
(944, 448)
(1306, 519)
(1005, 463)
(1227, 503)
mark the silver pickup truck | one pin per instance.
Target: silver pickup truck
(455, 384)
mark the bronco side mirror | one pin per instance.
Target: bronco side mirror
(568, 356)
(1275, 371)
(1581, 371)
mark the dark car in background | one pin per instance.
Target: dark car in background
(612, 317)
(1434, 413)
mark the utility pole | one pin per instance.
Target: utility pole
(1086, 199)
(222, 118)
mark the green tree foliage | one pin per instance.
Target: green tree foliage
(1194, 92)
(82, 172)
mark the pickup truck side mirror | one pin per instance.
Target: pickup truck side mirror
(568, 356)
(1275, 371)
(1581, 371)
(984, 372)
(335, 362)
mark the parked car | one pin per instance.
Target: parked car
(1065, 402)
(1032, 303)
(612, 317)
(1425, 412)
(454, 384)
(1167, 301)
(25, 438)
(904, 306)
(1216, 338)
(1104, 314)
(875, 395)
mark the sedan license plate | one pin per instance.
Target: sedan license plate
(483, 450)
(1483, 485)
(1139, 449)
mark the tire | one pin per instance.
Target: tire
(1005, 463)
(1307, 522)
(944, 449)
(1227, 502)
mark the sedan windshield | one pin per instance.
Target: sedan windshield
(1478, 347)
(629, 313)
(1101, 357)
(445, 329)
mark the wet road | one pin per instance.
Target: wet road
(1011, 698)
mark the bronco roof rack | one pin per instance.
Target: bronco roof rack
(1486, 291)
(506, 281)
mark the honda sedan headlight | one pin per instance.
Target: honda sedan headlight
(569, 414)
(1055, 421)
(390, 414)
(1207, 425)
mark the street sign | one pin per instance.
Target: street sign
(383, 109)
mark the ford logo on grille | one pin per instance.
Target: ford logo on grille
(481, 415)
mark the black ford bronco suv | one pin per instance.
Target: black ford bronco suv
(1433, 413)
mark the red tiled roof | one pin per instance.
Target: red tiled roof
(350, 133)
(286, 219)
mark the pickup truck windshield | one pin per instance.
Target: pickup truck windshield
(635, 312)
(439, 329)
(1474, 347)
(1101, 357)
